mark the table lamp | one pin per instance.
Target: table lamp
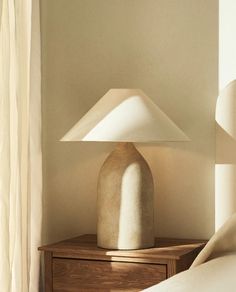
(125, 218)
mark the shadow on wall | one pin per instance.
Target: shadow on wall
(225, 168)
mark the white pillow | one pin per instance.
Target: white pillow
(214, 269)
(216, 275)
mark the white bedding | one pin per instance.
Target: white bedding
(214, 270)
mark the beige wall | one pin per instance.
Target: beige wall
(168, 48)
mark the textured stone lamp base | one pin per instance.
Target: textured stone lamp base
(125, 201)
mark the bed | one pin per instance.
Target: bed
(214, 270)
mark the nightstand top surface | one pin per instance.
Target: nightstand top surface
(165, 248)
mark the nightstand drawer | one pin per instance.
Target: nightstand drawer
(80, 275)
(78, 264)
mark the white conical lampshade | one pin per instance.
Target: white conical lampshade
(125, 115)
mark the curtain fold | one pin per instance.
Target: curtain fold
(20, 145)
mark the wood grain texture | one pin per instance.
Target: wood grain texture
(80, 275)
(48, 271)
(77, 264)
(185, 262)
(165, 248)
(171, 268)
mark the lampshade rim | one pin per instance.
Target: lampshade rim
(133, 141)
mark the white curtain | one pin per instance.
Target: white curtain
(20, 146)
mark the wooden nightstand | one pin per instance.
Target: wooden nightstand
(77, 264)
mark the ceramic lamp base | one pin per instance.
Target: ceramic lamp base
(125, 201)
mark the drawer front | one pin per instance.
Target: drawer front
(81, 275)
